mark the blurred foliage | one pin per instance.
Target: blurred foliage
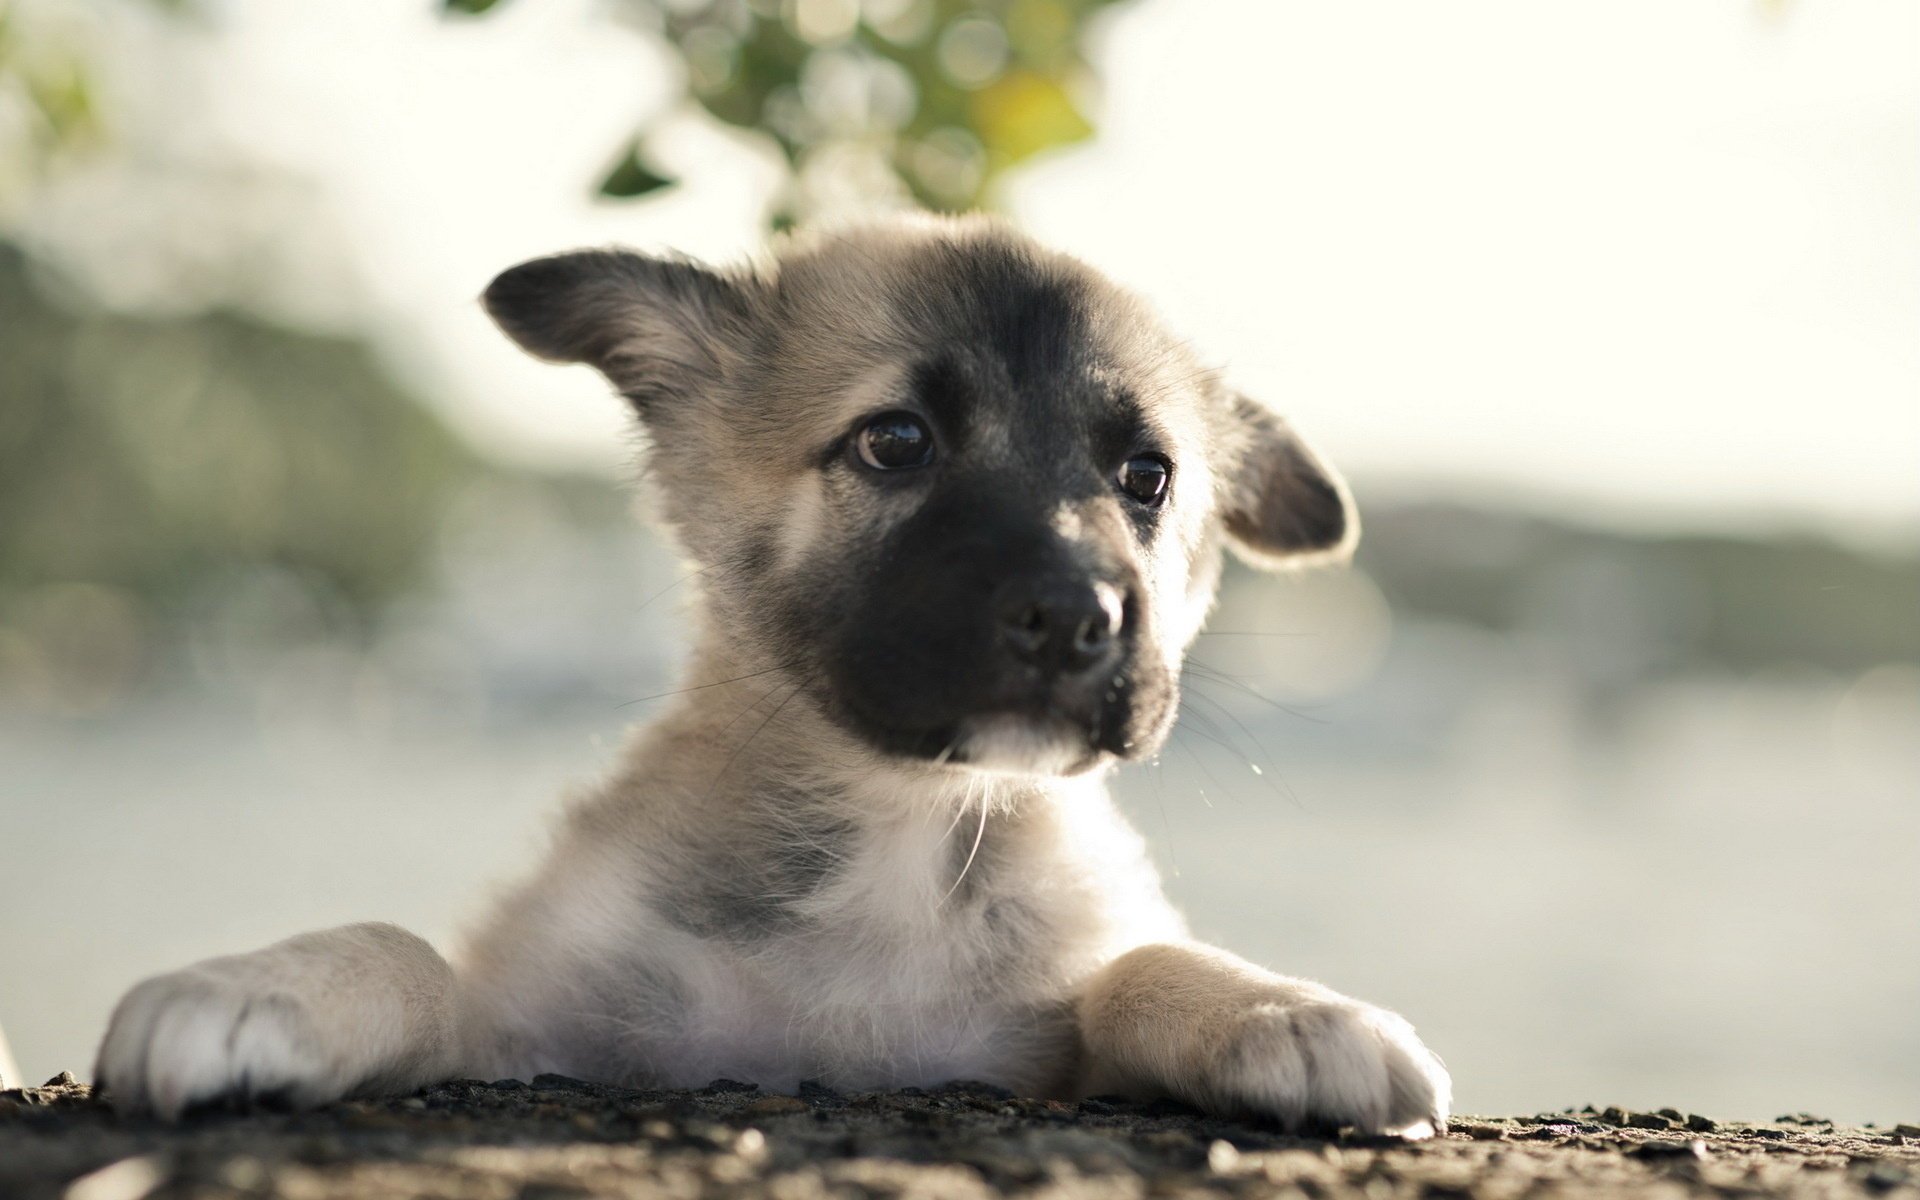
(149, 452)
(147, 459)
(47, 102)
(886, 99)
(631, 177)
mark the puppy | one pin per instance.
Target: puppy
(958, 506)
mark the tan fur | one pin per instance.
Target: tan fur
(757, 892)
(1195, 1022)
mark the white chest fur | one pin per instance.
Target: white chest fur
(939, 944)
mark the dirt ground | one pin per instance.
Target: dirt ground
(558, 1138)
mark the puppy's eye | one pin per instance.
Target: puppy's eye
(894, 441)
(1145, 479)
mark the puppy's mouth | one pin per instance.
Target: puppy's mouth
(1019, 744)
(1010, 741)
(1006, 723)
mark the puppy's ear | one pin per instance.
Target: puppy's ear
(1284, 506)
(656, 327)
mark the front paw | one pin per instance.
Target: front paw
(203, 1035)
(1334, 1063)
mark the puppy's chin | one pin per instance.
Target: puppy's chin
(1006, 744)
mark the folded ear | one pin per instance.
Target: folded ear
(1284, 506)
(656, 327)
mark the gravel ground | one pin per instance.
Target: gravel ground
(559, 1138)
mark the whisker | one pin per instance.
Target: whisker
(1198, 762)
(1201, 719)
(959, 812)
(741, 748)
(978, 834)
(1197, 726)
(1218, 676)
(701, 687)
(1160, 801)
(1252, 633)
(741, 715)
(644, 604)
(1278, 784)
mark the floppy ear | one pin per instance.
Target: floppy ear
(656, 327)
(1284, 506)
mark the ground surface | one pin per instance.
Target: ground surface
(559, 1138)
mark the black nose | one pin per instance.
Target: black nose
(1065, 627)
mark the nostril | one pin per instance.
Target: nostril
(1062, 625)
(1026, 627)
(1093, 634)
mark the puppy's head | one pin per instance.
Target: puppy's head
(966, 492)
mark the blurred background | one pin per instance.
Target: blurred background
(1602, 764)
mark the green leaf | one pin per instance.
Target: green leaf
(471, 8)
(1022, 113)
(630, 177)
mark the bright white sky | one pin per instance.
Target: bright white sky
(1652, 261)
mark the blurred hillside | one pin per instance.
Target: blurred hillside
(151, 464)
(1632, 608)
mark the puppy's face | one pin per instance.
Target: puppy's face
(966, 493)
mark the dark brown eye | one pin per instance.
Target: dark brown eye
(1145, 479)
(894, 441)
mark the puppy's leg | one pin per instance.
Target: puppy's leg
(362, 1009)
(1201, 1025)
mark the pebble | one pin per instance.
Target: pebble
(1700, 1124)
(1886, 1176)
(245, 1174)
(127, 1179)
(773, 1105)
(1692, 1149)
(1222, 1157)
(819, 1095)
(973, 1087)
(563, 1083)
